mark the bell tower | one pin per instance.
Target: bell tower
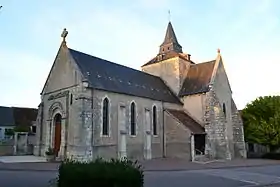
(170, 64)
(170, 43)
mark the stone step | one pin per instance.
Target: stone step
(201, 158)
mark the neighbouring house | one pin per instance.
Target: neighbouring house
(6, 121)
(25, 117)
(91, 107)
(11, 117)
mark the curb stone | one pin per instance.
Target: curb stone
(146, 170)
(205, 168)
(277, 184)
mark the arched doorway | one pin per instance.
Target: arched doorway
(57, 133)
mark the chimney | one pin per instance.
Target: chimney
(189, 56)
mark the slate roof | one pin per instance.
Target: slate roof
(6, 116)
(24, 116)
(109, 76)
(12, 116)
(198, 78)
(170, 36)
(188, 121)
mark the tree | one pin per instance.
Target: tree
(261, 120)
(22, 128)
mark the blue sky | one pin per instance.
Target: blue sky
(129, 33)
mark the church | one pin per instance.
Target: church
(172, 108)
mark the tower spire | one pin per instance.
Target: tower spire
(170, 42)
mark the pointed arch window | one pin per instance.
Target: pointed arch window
(71, 99)
(155, 120)
(132, 119)
(105, 117)
(224, 109)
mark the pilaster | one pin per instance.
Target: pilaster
(82, 148)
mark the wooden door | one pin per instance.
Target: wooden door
(57, 137)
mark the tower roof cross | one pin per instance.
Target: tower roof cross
(64, 34)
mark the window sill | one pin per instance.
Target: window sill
(105, 136)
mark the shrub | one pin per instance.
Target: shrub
(274, 156)
(113, 173)
(21, 128)
(50, 151)
(9, 132)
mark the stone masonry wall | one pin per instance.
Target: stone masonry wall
(82, 129)
(238, 133)
(106, 146)
(75, 106)
(38, 141)
(178, 138)
(216, 141)
(172, 71)
(82, 119)
(219, 122)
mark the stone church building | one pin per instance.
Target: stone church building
(91, 107)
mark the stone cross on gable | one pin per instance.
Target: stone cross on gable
(64, 34)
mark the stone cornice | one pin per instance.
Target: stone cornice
(58, 95)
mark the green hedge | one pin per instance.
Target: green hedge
(100, 173)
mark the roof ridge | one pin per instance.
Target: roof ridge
(23, 107)
(117, 64)
(211, 61)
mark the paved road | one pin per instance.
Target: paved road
(238, 177)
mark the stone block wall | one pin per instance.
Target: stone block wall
(238, 133)
(134, 144)
(82, 128)
(178, 138)
(75, 106)
(172, 71)
(38, 136)
(7, 147)
(195, 105)
(82, 119)
(217, 145)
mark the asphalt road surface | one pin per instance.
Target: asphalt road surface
(236, 177)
